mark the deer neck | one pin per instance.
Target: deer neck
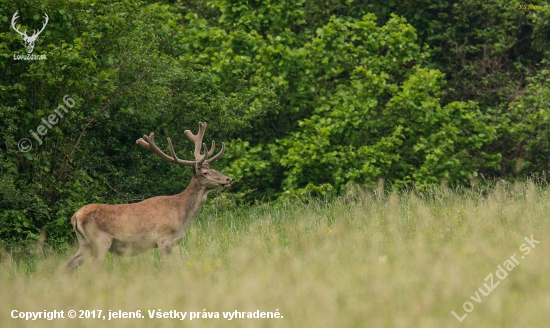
(191, 200)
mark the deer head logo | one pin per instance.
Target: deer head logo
(28, 40)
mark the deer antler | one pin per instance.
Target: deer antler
(14, 18)
(24, 34)
(35, 35)
(197, 139)
(149, 143)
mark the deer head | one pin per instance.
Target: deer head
(28, 40)
(205, 176)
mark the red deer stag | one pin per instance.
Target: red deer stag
(130, 229)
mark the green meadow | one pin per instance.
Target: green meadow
(366, 259)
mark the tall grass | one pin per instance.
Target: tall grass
(363, 260)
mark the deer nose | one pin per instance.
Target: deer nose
(229, 180)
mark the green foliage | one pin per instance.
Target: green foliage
(357, 104)
(412, 139)
(119, 62)
(530, 126)
(308, 96)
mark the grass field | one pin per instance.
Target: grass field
(363, 260)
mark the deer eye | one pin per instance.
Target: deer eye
(205, 173)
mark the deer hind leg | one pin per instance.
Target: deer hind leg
(101, 243)
(84, 251)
